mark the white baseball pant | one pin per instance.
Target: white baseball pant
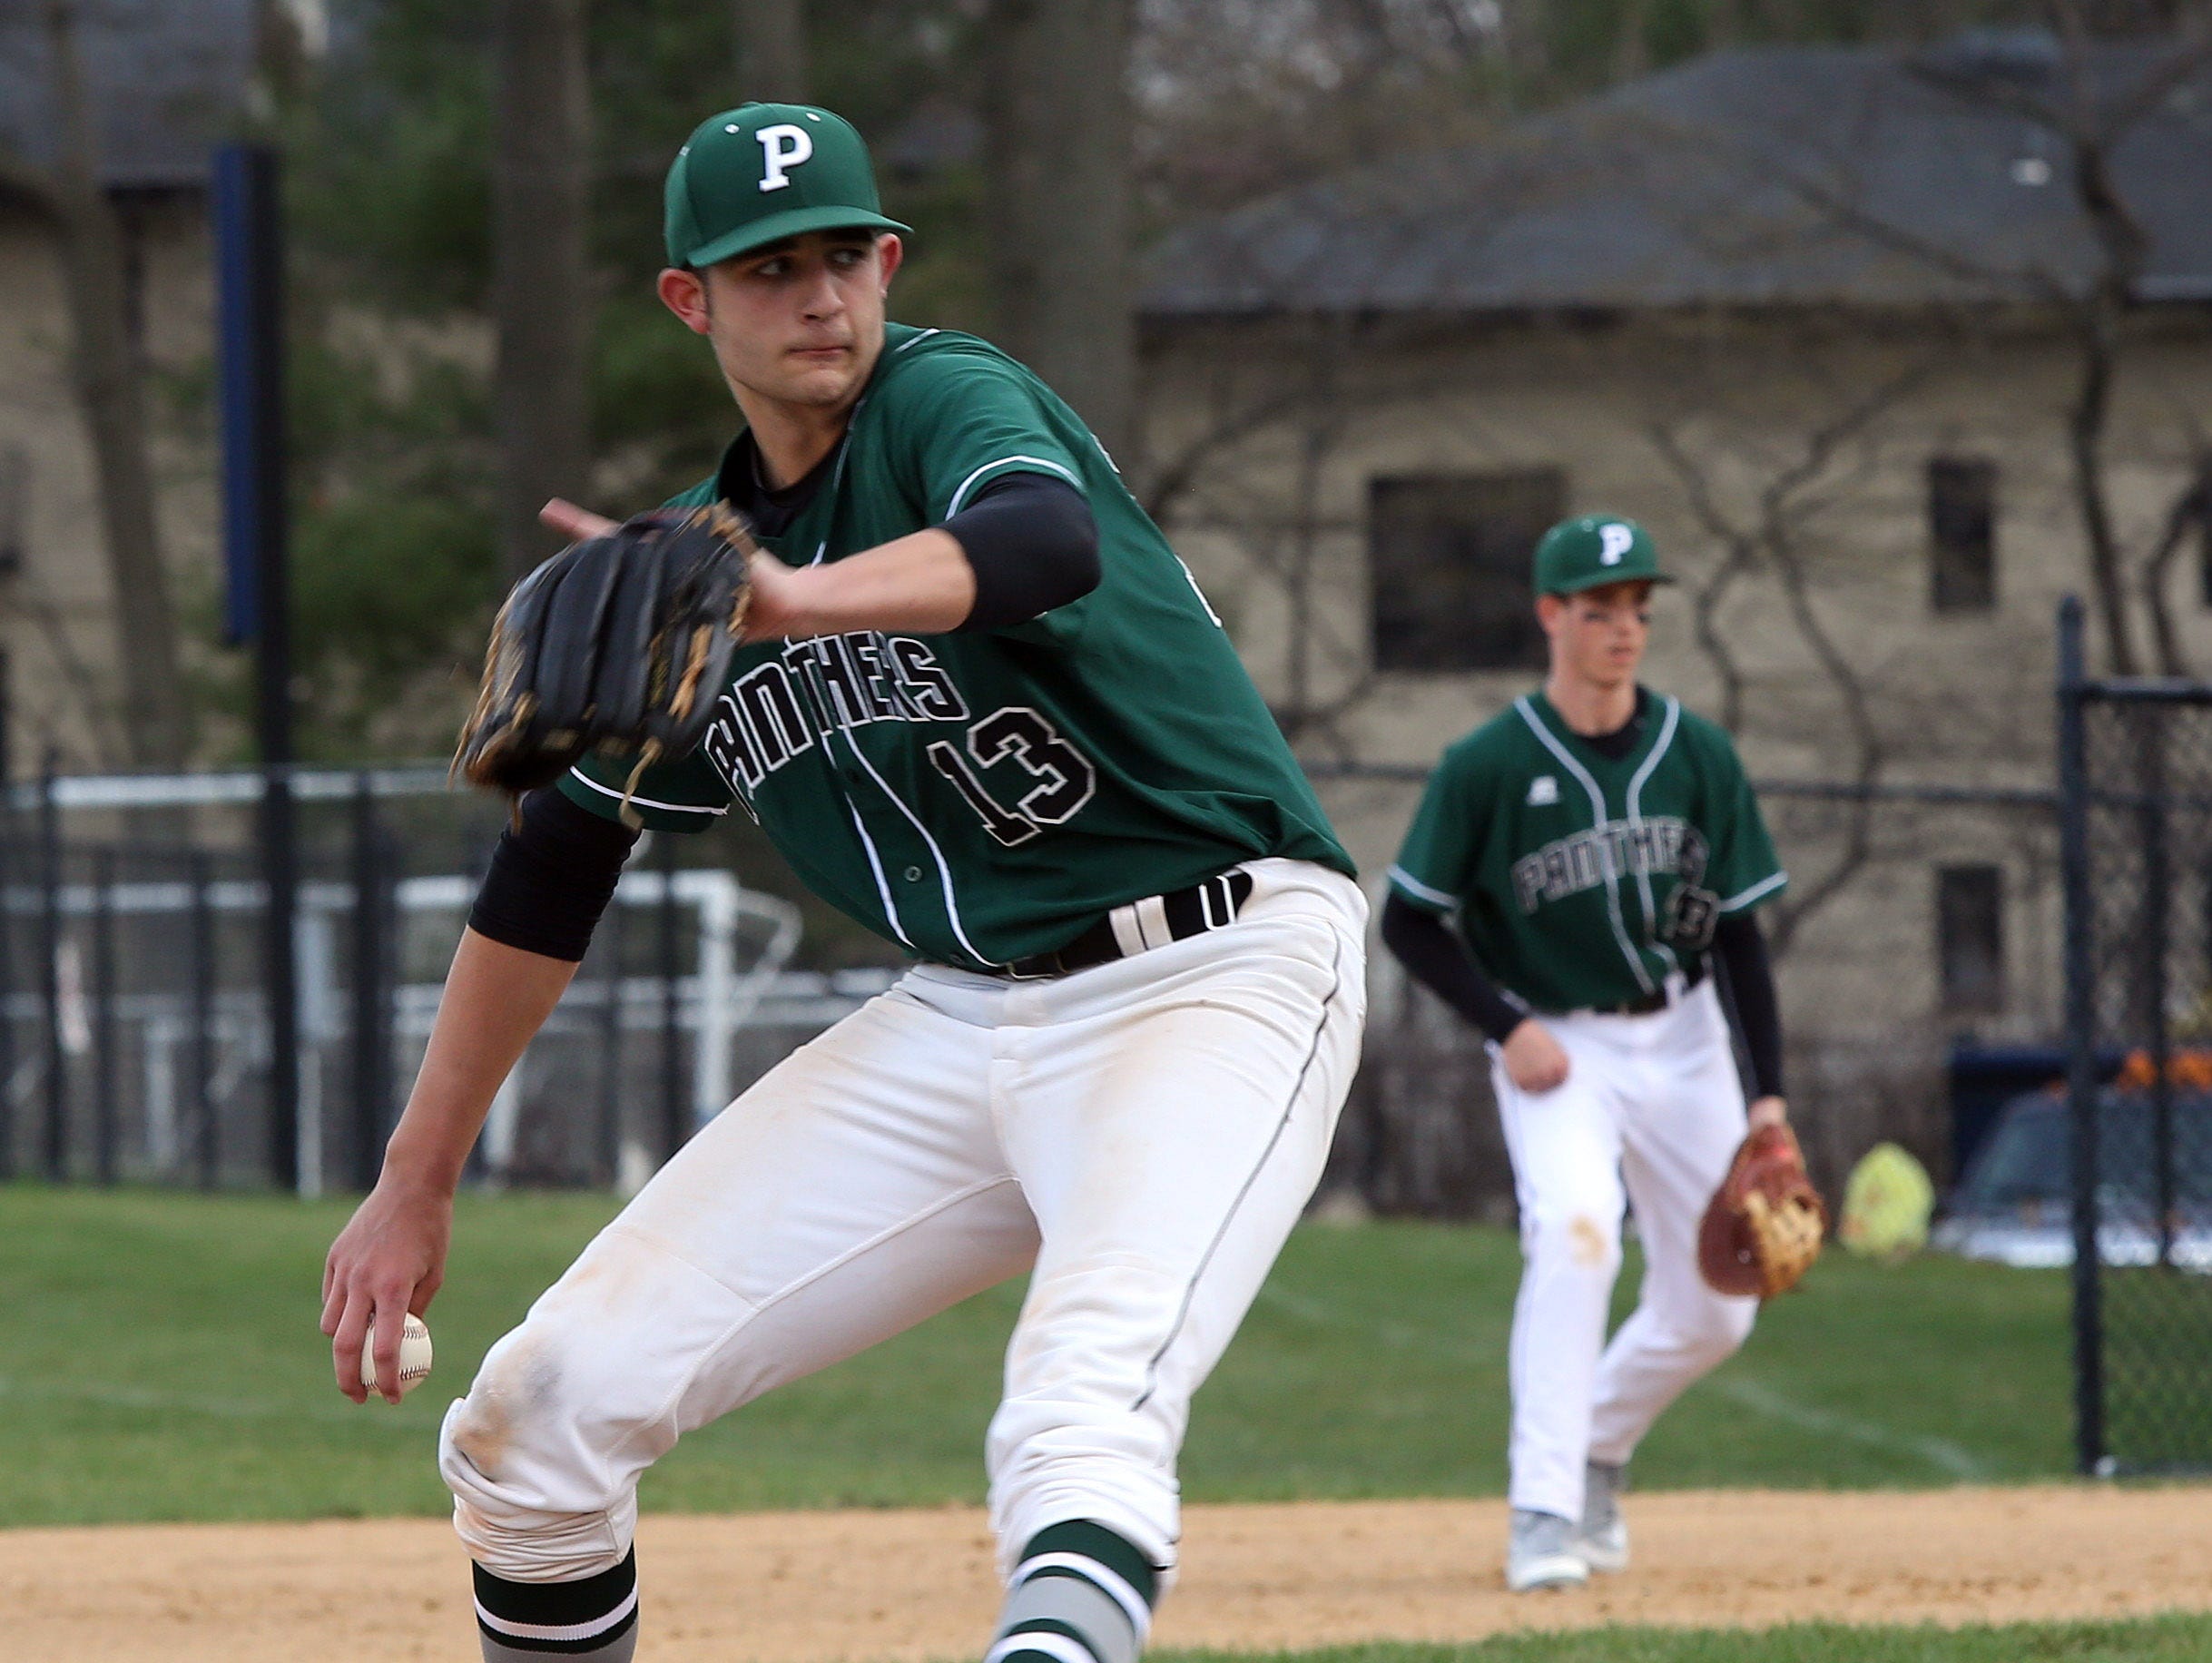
(1146, 1133)
(1655, 1101)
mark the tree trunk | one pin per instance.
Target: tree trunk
(541, 194)
(1056, 125)
(111, 389)
(772, 58)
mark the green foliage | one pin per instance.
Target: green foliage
(388, 156)
(159, 1360)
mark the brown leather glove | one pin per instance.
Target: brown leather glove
(1763, 1228)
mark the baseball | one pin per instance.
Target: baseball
(414, 1357)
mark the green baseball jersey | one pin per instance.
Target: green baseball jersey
(1580, 879)
(980, 797)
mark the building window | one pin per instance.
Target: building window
(1962, 533)
(14, 507)
(1970, 936)
(1448, 562)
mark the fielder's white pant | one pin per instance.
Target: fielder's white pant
(1654, 1101)
(1146, 1133)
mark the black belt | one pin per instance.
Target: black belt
(1153, 921)
(1658, 1000)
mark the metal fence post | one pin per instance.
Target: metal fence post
(610, 943)
(279, 860)
(249, 316)
(106, 1107)
(57, 1141)
(2154, 792)
(201, 1049)
(2073, 692)
(675, 1116)
(372, 979)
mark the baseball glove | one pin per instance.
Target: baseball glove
(1763, 1228)
(618, 644)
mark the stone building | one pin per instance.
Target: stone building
(165, 82)
(1814, 315)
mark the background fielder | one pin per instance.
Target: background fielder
(1596, 844)
(986, 713)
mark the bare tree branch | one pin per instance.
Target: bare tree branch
(2096, 318)
(1767, 537)
(1705, 600)
(1167, 481)
(110, 389)
(2191, 510)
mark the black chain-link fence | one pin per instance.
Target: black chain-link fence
(135, 973)
(135, 1008)
(2136, 777)
(1877, 1023)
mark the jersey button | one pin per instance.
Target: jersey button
(913, 874)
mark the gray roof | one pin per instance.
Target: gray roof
(166, 76)
(1760, 176)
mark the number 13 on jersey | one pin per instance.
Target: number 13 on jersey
(1059, 777)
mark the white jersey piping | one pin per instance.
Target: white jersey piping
(1419, 890)
(1744, 898)
(875, 865)
(1604, 846)
(944, 871)
(1636, 817)
(648, 802)
(953, 507)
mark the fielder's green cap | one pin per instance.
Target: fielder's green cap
(1595, 549)
(763, 172)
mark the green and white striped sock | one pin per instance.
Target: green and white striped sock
(594, 1619)
(1080, 1594)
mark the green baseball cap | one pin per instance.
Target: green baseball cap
(1593, 550)
(763, 172)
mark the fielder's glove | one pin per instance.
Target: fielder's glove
(618, 644)
(1763, 1228)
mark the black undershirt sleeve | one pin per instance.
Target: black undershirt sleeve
(1435, 956)
(1033, 545)
(1741, 946)
(551, 877)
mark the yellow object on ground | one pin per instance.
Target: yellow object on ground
(1886, 1203)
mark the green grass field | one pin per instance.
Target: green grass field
(2166, 1640)
(159, 1360)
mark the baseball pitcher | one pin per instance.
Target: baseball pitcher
(1573, 868)
(981, 707)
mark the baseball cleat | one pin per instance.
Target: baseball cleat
(1604, 1537)
(1541, 1551)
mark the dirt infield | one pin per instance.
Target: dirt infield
(822, 1586)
